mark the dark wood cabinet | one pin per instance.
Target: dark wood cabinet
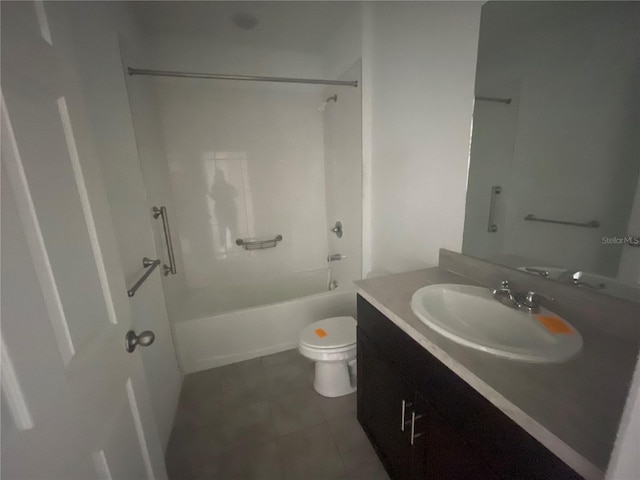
(383, 412)
(427, 423)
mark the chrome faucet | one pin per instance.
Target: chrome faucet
(574, 277)
(527, 301)
(504, 292)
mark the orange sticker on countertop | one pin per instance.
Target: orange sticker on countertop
(320, 332)
(555, 325)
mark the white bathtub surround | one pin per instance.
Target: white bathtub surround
(214, 340)
(248, 161)
(245, 160)
(208, 302)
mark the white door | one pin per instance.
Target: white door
(75, 404)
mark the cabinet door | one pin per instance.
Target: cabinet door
(383, 398)
(440, 451)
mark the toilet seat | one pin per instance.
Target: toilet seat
(336, 334)
(342, 354)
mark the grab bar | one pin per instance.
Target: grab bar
(257, 244)
(539, 271)
(150, 266)
(592, 224)
(495, 190)
(162, 212)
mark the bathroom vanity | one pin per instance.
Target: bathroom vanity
(426, 422)
(436, 409)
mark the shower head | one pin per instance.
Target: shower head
(323, 107)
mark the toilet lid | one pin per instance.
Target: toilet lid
(334, 332)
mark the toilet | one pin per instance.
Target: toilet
(331, 343)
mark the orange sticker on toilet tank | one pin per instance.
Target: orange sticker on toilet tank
(555, 325)
(320, 332)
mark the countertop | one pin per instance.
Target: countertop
(572, 408)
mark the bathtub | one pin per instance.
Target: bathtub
(217, 326)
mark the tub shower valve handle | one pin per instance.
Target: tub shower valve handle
(337, 229)
(335, 257)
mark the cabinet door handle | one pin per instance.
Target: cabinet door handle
(405, 405)
(415, 435)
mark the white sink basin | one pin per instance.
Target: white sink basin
(471, 316)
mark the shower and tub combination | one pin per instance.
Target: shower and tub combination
(252, 175)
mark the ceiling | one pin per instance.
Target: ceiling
(304, 26)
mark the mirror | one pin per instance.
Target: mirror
(555, 149)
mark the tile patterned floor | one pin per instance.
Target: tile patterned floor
(261, 419)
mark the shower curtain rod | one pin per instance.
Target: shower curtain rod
(253, 78)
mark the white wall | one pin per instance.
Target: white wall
(200, 54)
(344, 47)
(423, 61)
(96, 28)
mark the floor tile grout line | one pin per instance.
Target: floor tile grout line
(280, 459)
(254, 446)
(270, 399)
(278, 437)
(273, 420)
(335, 444)
(342, 455)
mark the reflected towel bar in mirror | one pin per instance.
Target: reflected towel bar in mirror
(257, 243)
(592, 224)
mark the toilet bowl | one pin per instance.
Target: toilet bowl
(331, 343)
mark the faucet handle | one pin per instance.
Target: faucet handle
(532, 299)
(505, 284)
